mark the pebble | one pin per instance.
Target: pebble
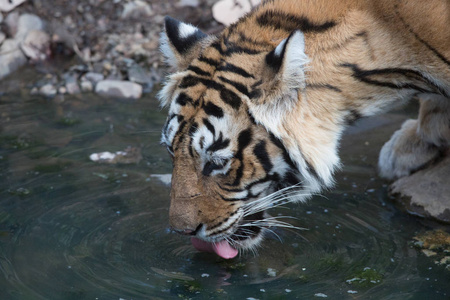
(119, 89)
(229, 11)
(12, 57)
(192, 3)
(9, 5)
(71, 83)
(26, 23)
(48, 90)
(136, 9)
(320, 295)
(166, 179)
(36, 45)
(86, 86)
(93, 77)
(11, 21)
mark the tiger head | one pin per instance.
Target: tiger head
(233, 156)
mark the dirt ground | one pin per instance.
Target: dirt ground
(95, 36)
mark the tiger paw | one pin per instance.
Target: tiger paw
(405, 152)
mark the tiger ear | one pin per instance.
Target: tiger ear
(180, 43)
(288, 60)
(283, 80)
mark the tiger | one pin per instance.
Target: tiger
(256, 112)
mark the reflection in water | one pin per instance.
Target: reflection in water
(71, 228)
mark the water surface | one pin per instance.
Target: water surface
(71, 228)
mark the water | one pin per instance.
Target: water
(71, 228)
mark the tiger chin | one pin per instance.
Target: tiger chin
(256, 113)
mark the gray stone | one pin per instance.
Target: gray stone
(136, 9)
(26, 23)
(137, 74)
(36, 45)
(86, 86)
(93, 77)
(192, 3)
(48, 90)
(72, 86)
(2, 37)
(12, 57)
(9, 5)
(426, 192)
(11, 22)
(119, 89)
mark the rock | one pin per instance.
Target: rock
(11, 22)
(93, 77)
(119, 89)
(12, 57)
(48, 90)
(86, 86)
(26, 23)
(166, 179)
(137, 74)
(71, 83)
(9, 5)
(426, 192)
(2, 37)
(131, 155)
(229, 11)
(1, 17)
(192, 3)
(36, 45)
(136, 9)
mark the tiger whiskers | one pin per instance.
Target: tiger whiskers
(289, 194)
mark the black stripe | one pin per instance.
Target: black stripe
(286, 156)
(223, 221)
(225, 229)
(233, 48)
(190, 81)
(209, 126)
(352, 116)
(323, 86)
(289, 179)
(180, 129)
(244, 140)
(246, 39)
(230, 98)
(364, 76)
(240, 87)
(235, 69)
(183, 99)
(289, 22)
(431, 48)
(209, 61)
(211, 166)
(261, 154)
(198, 71)
(219, 144)
(213, 110)
(313, 171)
(234, 190)
(193, 129)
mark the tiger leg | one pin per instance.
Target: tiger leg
(418, 142)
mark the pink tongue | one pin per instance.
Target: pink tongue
(222, 248)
